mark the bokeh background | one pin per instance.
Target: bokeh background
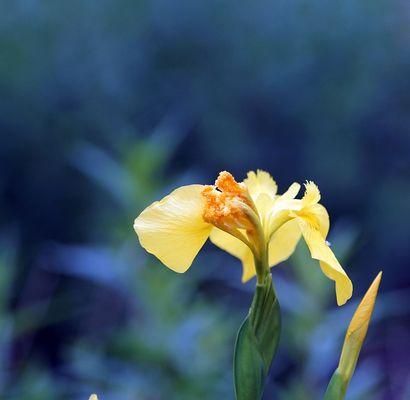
(108, 105)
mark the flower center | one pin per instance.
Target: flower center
(228, 205)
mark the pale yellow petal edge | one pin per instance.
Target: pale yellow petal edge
(173, 229)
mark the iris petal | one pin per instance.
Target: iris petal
(281, 208)
(283, 242)
(287, 200)
(319, 250)
(318, 216)
(292, 191)
(312, 194)
(260, 183)
(173, 229)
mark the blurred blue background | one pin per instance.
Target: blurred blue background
(108, 105)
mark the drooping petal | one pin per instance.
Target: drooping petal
(283, 242)
(319, 250)
(236, 248)
(173, 229)
(317, 216)
(260, 183)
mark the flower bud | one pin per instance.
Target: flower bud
(355, 335)
(357, 330)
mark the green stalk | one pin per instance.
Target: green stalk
(257, 342)
(336, 390)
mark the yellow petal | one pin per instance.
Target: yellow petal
(317, 216)
(312, 194)
(283, 242)
(262, 189)
(93, 397)
(287, 201)
(264, 205)
(260, 183)
(319, 250)
(357, 330)
(236, 248)
(292, 192)
(173, 229)
(279, 211)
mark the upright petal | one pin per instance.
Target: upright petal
(236, 248)
(173, 229)
(260, 183)
(319, 250)
(262, 189)
(312, 194)
(287, 201)
(280, 211)
(264, 205)
(312, 211)
(292, 191)
(283, 242)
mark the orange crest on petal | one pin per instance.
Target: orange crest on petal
(226, 203)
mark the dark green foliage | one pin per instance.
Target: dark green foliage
(256, 343)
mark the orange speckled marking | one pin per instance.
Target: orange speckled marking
(227, 183)
(223, 201)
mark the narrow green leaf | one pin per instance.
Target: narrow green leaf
(256, 343)
(249, 367)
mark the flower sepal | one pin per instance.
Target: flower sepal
(256, 342)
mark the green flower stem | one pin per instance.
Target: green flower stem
(261, 268)
(257, 342)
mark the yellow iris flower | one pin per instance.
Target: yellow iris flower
(248, 220)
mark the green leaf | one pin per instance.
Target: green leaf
(256, 343)
(248, 364)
